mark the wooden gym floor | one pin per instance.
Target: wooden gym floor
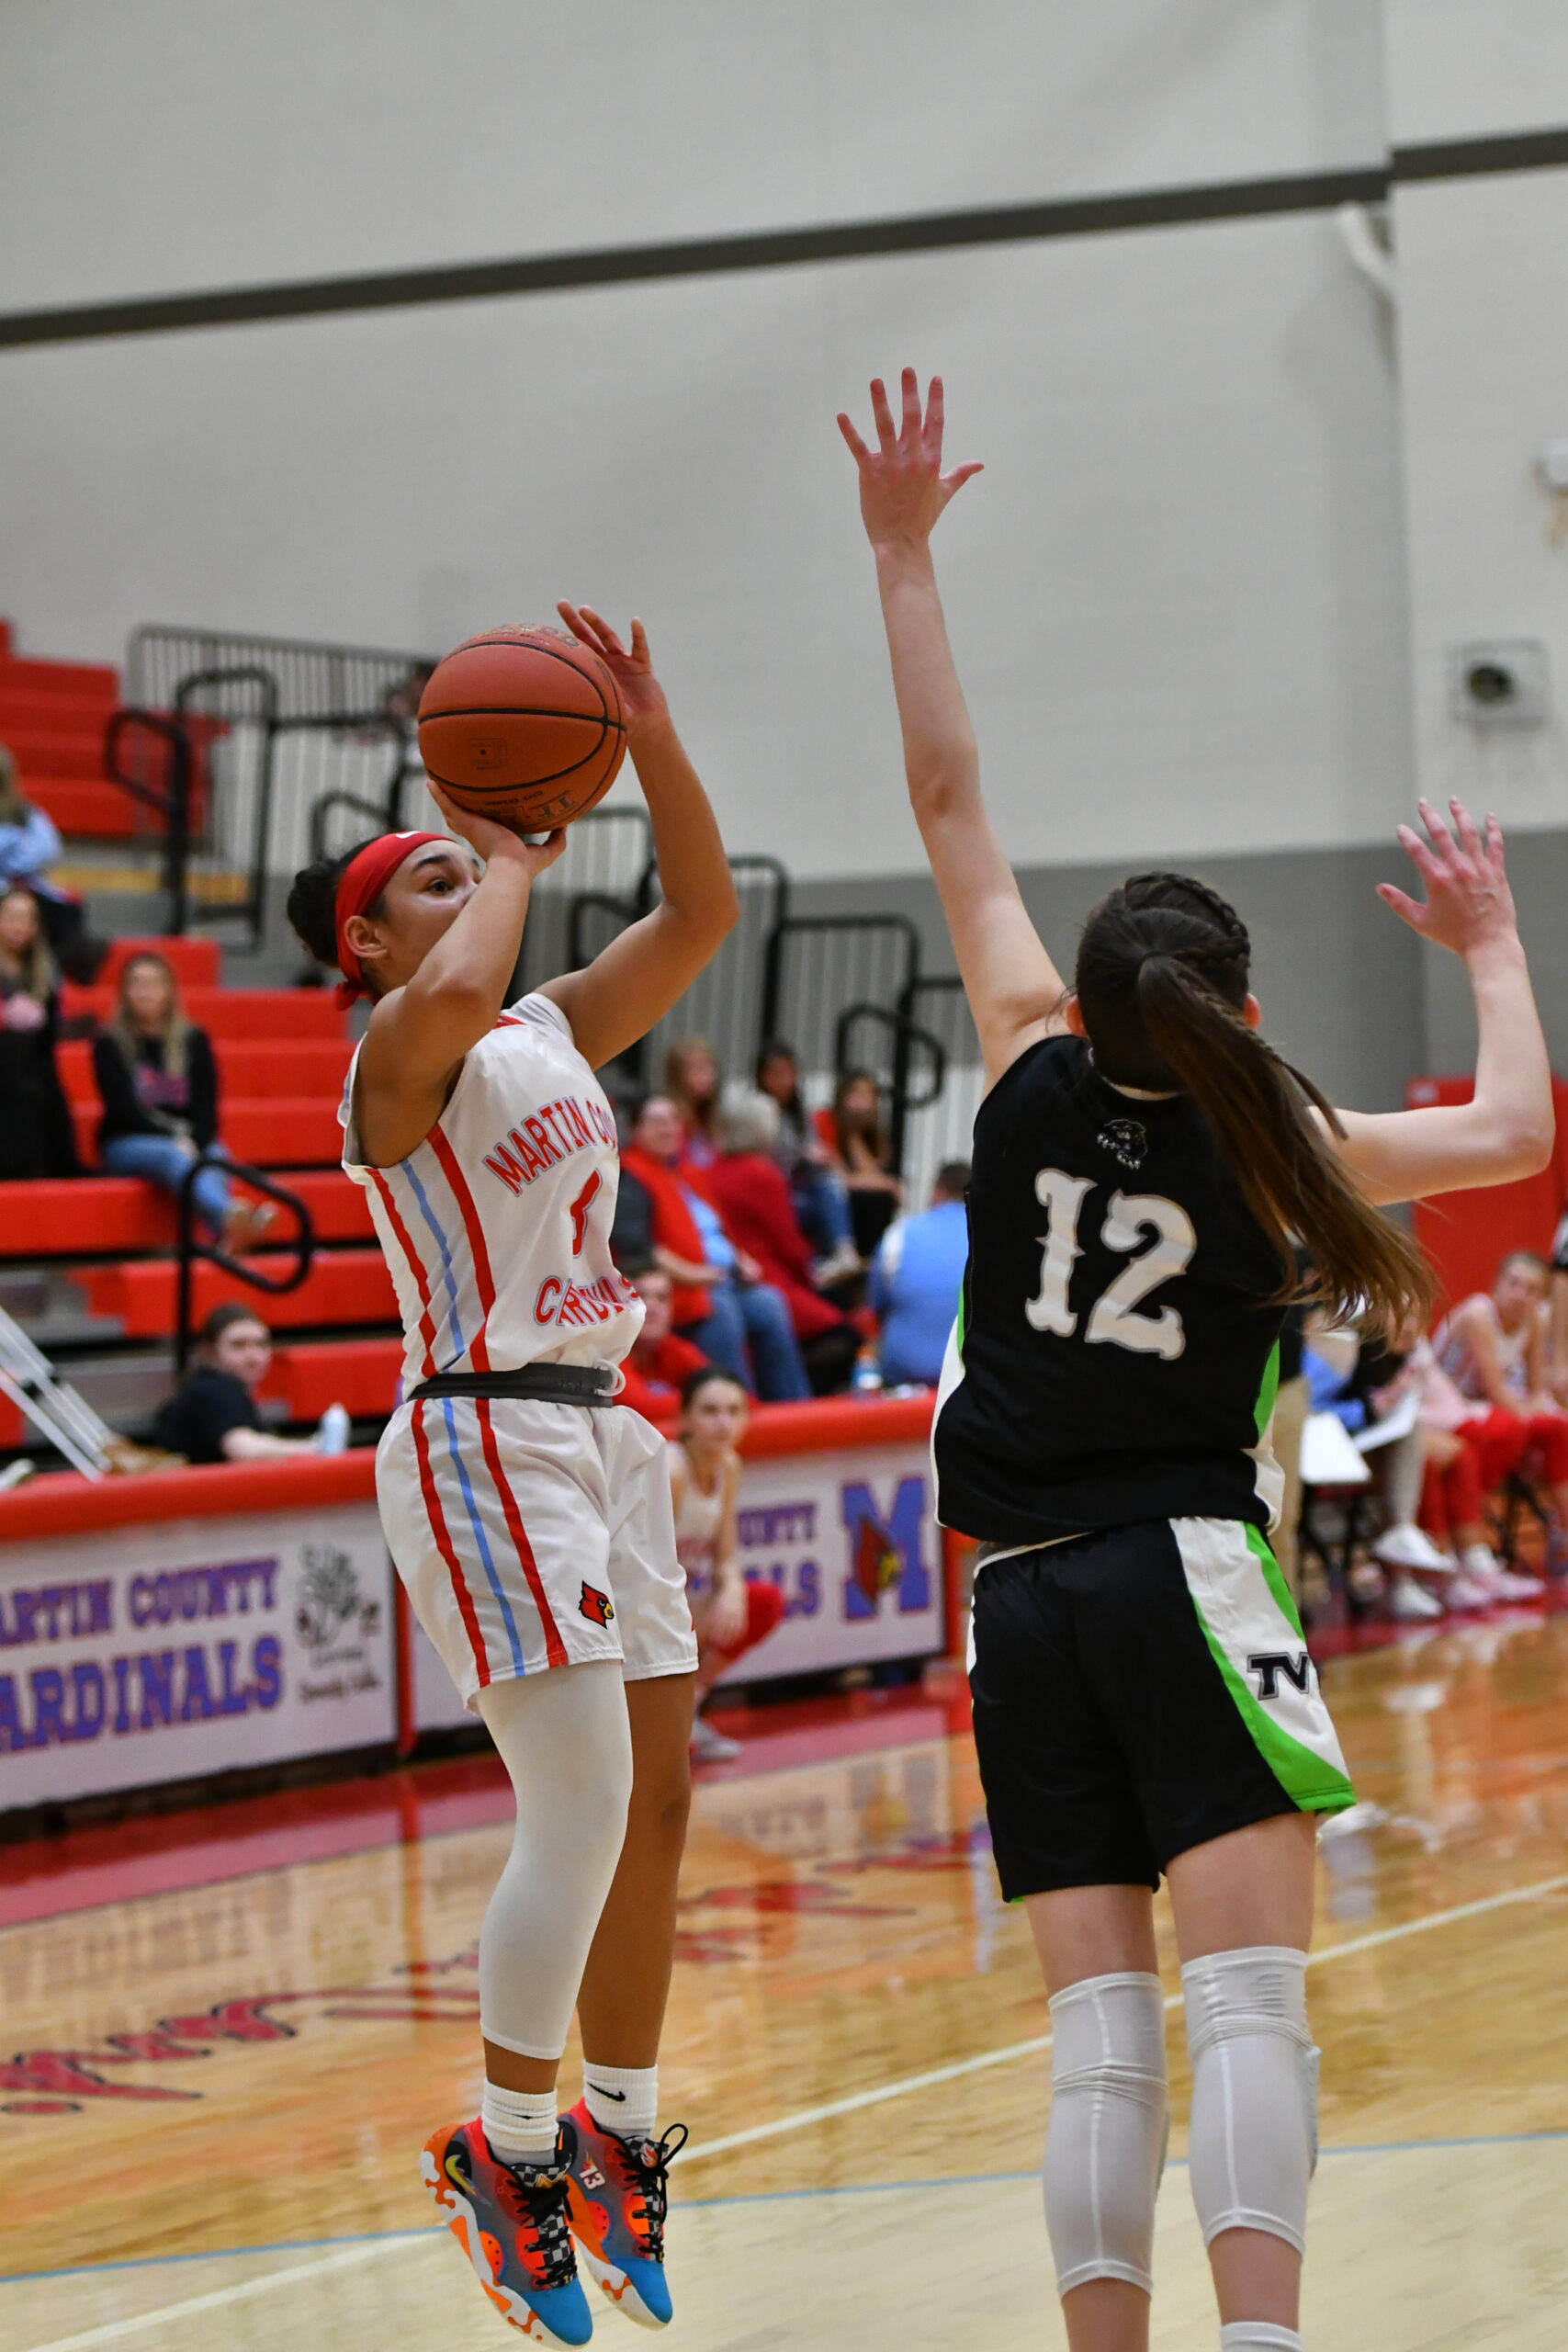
(856, 2041)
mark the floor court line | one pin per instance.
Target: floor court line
(874, 2095)
(113, 2331)
(748, 2197)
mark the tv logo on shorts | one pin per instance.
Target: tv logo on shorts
(886, 1548)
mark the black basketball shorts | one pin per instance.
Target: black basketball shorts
(1137, 1691)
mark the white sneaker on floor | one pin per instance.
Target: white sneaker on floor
(711, 1747)
(1465, 1591)
(1408, 1546)
(1484, 1567)
(1407, 1599)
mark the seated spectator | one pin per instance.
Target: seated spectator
(660, 1362)
(692, 1083)
(1557, 1313)
(860, 1154)
(916, 1277)
(1470, 1447)
(821, 1201)
(731, 1613)
(37, 1136)
(29, 847)
(213, 1416)
(749, 1189)
(721, 1303)
(1494, 1347)
(158, 1080)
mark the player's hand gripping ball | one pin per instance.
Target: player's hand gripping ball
(524, 726)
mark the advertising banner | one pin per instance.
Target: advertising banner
(851, 1541)
(138, 1655)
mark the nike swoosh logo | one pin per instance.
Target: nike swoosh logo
(619, 2097)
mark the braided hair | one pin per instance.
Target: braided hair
(312, 901)
(1162, 982)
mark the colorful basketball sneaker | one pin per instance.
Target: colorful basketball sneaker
(510, 2221)
(619, 2196)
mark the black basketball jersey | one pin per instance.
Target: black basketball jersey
(1115, 1359)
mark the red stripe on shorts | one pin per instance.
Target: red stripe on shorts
(438, 1528)
(554, 1648)
(478, 1352)
(426, 1325)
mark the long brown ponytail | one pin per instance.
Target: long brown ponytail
(1162, 980)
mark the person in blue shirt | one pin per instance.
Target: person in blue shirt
(915, 1280)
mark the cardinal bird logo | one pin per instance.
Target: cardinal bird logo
(877, 1565)
(597, 1606)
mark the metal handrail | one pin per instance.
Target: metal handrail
(172, 804)
(190, 1248)
(905, 1034)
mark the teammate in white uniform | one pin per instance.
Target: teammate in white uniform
(528, 1512)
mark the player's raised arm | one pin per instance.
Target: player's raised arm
(1506, 1130)
(1011, 984)
(619, 996)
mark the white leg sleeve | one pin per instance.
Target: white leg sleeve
(1105, 2145)
(1254, 2135)
(565, 1741)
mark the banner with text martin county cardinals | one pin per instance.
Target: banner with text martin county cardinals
(851, 1540)
(145, 1654)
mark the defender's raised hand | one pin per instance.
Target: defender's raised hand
(1468, 901)
(903, 490)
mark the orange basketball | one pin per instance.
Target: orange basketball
(524, 726)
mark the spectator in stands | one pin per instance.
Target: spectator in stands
(692, 1083)
(29, 847)
(821, 1201)
(37, 1136)
(660, 1362)
(915, 1281)
(1465, 1449)
(748, 1189)
(213, 1416)
(1494, 1347)
(158, 1080)
(721, 1303)
(859, 1153)
(731, 1613)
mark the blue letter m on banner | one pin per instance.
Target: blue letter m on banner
(886, 1551)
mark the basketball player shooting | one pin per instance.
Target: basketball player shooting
(1145, 1703)
(529, 1514)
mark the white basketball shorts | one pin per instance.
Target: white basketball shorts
(532, 1534)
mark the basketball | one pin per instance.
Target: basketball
(524, 726)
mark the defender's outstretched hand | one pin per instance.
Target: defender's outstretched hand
(1468, 902)
(903, 490)
(633, 671)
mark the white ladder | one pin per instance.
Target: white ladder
(66, 1418)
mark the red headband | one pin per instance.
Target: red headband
(361, 883)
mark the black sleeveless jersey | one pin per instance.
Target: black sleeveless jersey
(1113, 1359)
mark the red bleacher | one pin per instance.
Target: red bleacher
(350, 1285)
(52, 717)
(1466, 1233)
(282, 1056)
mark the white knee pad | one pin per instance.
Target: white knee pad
(1105, 2146)
(1254, 2135)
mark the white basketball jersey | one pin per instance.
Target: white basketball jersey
(497, 1226)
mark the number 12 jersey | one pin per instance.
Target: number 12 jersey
(1114, 1358)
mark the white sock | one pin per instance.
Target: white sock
(519, 2125)
(622, 2100)
(1259, 2336)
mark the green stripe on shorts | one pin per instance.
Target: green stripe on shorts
(1254, 1634)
